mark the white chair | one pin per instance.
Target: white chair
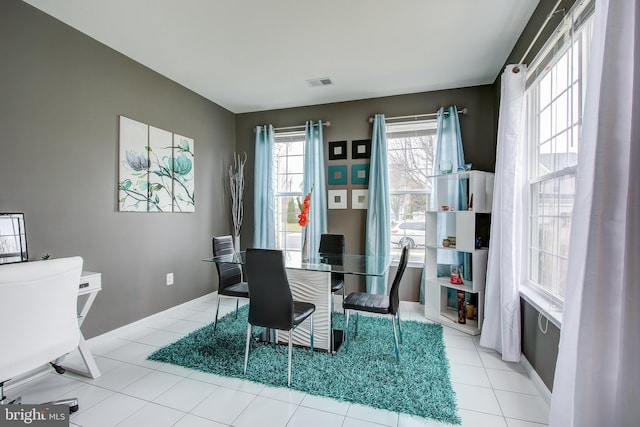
(38, 317)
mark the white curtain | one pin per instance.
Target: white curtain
(501, 328)
(597, 380)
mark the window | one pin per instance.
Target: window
(289, 180)
(555, 104)
(411, 152)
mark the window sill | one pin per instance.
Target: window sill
(542, 304)
(410, 263)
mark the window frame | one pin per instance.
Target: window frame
(561, 45)
(285, 137)
(430, 126)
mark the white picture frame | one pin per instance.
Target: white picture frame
(337, 199)
(359, 199)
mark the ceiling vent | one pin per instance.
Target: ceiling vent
(322, 81)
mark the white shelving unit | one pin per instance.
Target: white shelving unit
(473, 190)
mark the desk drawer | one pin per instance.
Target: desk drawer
(89, 282)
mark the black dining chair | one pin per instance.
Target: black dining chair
(333, 245)
(230, 284)
(271, 304)
(380, 304)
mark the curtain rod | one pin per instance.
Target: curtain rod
(544, 24)
(416, 116)
(327, 123)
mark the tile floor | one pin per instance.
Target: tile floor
(133, 391)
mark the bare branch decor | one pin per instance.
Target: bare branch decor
(236, 187)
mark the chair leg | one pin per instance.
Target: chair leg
(237, 303)
(355, 335)
(290, 347)
(395, 336)
(346, 332)
(311, 336)
(343, 297)
(399, 327)
(215, 322)
(246, 350)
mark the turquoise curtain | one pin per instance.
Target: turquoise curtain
(264, 196)
(449, 157)
(378, 230)
(314, 179)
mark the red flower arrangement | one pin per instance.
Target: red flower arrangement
(305, 206)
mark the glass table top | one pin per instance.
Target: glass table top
(363, 265)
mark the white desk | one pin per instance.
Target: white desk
(90, 284)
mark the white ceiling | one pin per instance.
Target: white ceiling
(253, 55)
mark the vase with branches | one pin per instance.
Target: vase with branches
(236, 188)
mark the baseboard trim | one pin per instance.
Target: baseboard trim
(537, 381)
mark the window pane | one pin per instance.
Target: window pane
(289, 176)
(411, 150)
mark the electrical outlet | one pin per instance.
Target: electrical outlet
(169, 279)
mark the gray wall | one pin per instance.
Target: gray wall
(541, 350)
(349, 121)
(60, 96)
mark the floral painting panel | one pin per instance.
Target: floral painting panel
(183, 174)
(160, 171)
(134, 166)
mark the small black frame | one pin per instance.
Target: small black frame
(337, 150)
(361, 149)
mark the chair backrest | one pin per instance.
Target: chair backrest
(332, 244)
(38, 317)
(228, 274)
(270, 299)
(394, 299)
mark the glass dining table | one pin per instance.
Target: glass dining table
(311, 282)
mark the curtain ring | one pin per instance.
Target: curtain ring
(516, 69)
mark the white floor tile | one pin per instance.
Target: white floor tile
(261, 409)
(88, 395)
(202, 317)
(354, 422)
(153, 415)
(151, 385)
(374, 415)
(159, 338)
(477, 399)
(523, 406)
(457, 342)
(243, 385)
(110, 411)
(464, 357)
(193, 421)
(308, 417)
(471, 375)
(405, 420)
(224, 405)
(120, 377)
(185, 395)
(208, 378)
(479, 419)
(182, 327)
(48, 387)
(511, 381)
(172, 369)
(130, 351)
(325, 404)
(519, 423)
(284, 394)
(493, 360)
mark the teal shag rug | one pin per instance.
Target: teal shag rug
(367, 374)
